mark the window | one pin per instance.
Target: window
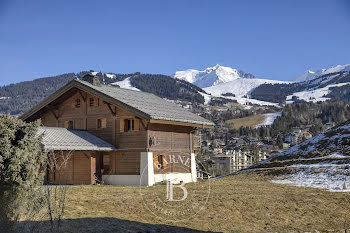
(101, 123)
(91, 102)
(69, 124)
(129, 125)
(77, 103)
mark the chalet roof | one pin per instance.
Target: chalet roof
(143, 104)
(69, 139)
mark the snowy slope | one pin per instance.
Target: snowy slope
(126, 84)
(269, 119)
(322, 161)
(314, 95)
(211, 76)
(239, 87)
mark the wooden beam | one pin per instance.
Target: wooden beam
(142, 123)
(114, 113)
(52, 110)
(82, 96)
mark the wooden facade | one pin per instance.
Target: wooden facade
(118, 124)
(83, 111)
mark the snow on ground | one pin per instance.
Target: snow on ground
(313, 142)
(336, 155)
(269, 119)
(126, 84)
(5, 98)
(333, 177)
(314, 95)
(245, 101)
(207, 97)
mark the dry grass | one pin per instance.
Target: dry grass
(241, 203)
(250, 121)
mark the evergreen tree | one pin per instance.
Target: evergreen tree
(22, 167)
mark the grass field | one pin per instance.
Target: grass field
(249, 121)
(240, 203)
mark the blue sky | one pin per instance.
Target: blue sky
(270, 39)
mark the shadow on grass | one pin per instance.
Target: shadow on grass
(108, 225)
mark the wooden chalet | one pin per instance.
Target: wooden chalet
(117, 136)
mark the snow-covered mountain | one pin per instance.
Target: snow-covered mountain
(211, 76)
(221, 81)
(310, 75)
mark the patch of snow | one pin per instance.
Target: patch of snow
(329, 176)
(5, 98)
(94, 73)
(245, 101)
(314, 95)
(336, 155)
(126, 84)
(269, 119)
(207, 97)
(110, 75)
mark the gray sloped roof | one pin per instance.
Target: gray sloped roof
(150, 104)
(69, 139)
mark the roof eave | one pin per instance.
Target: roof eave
(80, 85)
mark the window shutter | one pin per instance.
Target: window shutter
(155, 162)
(104, 123)
(66, 124)
(96, 101)
(73, 104)
(165, 161)
(137, 125)
(121, 125)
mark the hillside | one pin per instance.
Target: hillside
(240, 203)
(20, 97)
(322, 161)
(254, 121)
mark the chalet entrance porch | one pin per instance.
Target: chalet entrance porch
(75, 156)
(76, 167)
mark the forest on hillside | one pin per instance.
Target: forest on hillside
(18, 98)
(314, 115)
(277, 93)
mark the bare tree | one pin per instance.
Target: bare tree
(55, 194)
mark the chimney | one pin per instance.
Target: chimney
(94, 80)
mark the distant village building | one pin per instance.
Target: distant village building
(297, 136)
(233, 161)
